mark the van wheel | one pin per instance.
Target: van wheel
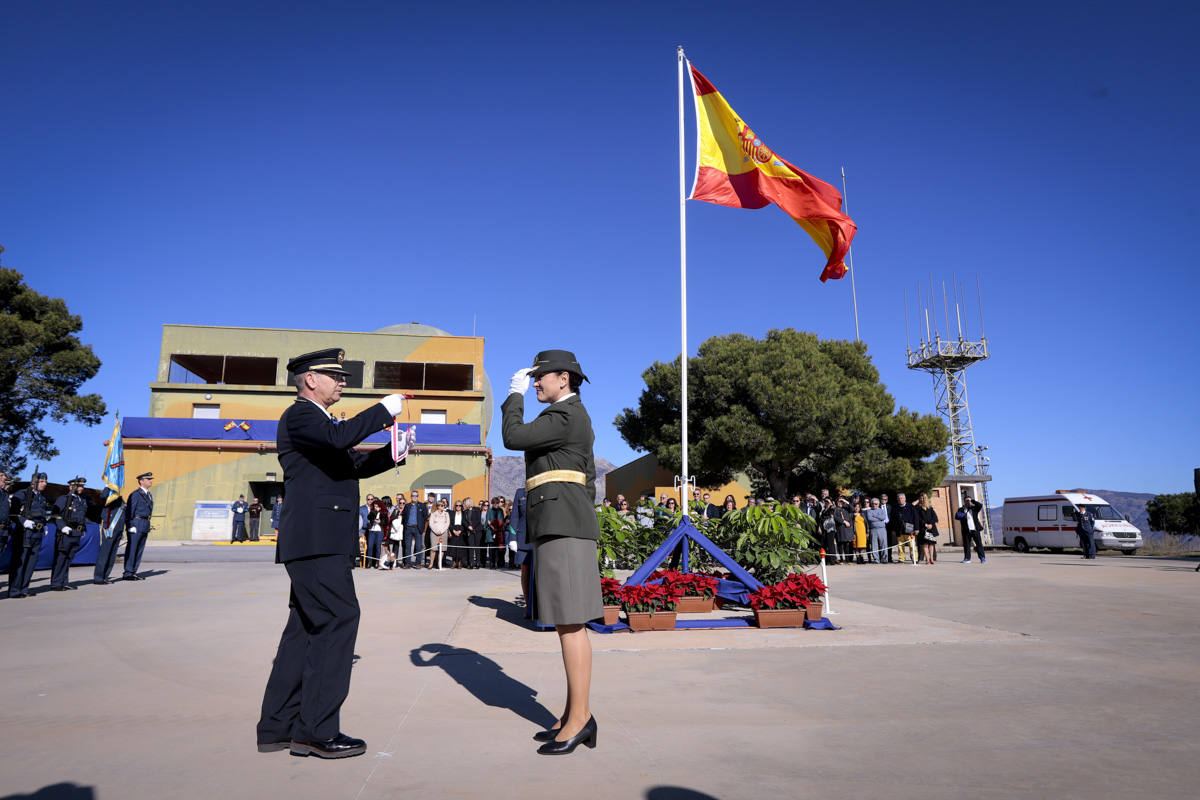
(1020, 545)
(1132, 552)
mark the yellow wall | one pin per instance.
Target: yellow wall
(644, 474)
(212, 471)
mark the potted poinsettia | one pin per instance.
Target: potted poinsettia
(696, 590)
(786, 604)
(610, 592)
(650, 606)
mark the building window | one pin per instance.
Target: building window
(206, 410)
(353, 381)
(399, 375)
(431, 417)
(244, 370)
(420, 376)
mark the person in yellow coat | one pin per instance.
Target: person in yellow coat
(860, 532)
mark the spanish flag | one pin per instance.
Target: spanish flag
(735, 168)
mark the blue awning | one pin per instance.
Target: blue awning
(263, 430)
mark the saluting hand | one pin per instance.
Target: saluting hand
(520, 381)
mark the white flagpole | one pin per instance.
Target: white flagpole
(850, 257)
(683, 353)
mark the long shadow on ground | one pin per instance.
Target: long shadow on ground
(485, 679)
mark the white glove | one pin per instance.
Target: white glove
(393, 403)
(133, 530)
(513, 545)
(520, 381)
(65, 529)
(29, 524)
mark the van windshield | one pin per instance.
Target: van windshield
(1102, 511)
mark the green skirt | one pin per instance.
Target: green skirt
(568, 581)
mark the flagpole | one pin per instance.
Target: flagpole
(850, 257)
(683, 353)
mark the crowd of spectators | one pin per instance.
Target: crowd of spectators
(435, 534)
(853, 530)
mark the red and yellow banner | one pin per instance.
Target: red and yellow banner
(736, 169)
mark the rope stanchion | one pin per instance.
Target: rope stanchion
(825, 580)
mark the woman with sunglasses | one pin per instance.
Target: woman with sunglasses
(560, 483)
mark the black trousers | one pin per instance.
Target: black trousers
(968, 538)
(64, 553)
(133, 552)
(31, 548)
(106, 558)
(474, 541)
(311, 676)
(893, 540)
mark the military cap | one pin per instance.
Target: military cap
(328, 360)
(40, 476)
(77, 481)
(557, 361)
(145, 475)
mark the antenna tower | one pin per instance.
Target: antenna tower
(945, 355)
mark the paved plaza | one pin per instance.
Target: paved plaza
(1033, 676)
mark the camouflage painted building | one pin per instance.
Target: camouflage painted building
(210, 432)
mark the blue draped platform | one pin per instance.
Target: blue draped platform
(737, 590)
(86, 555)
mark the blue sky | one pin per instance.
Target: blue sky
(348, 166)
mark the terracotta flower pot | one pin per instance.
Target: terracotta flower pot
(779, 617)
(612, 615)
(645, 621)
(815, 610)
(691, 604)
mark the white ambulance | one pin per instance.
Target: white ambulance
(1049, 521)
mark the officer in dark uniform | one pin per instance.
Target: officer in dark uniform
(72, 513)
(138, 509)
(239, 519)
(1085, 529)
(112, 520)
(318, 535)
(36, 511)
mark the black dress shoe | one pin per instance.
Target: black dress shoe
(586, 735)
(129, 577)
(340, 746)
(273, 747)
(70, 588)
(59, 588)
(103, 582)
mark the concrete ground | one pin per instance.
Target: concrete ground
(1035, 676)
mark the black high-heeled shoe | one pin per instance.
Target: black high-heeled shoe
(586, 735)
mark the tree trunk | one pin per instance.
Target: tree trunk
(778, 481)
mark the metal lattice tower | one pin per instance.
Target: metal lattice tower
(947, 362)
(946, 358)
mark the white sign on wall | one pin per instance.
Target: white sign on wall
(212, 520)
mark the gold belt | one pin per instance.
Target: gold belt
(555, 476)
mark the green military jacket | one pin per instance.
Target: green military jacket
(560, 437)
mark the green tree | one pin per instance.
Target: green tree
(42, 366)
(799, 411)
(1174, 513)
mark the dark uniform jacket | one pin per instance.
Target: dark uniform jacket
(5, 522)
(33, 505)
(138, 509)
(560, 437)
(321, 470)
(72, 509)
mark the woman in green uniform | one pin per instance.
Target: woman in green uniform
(560, 483)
